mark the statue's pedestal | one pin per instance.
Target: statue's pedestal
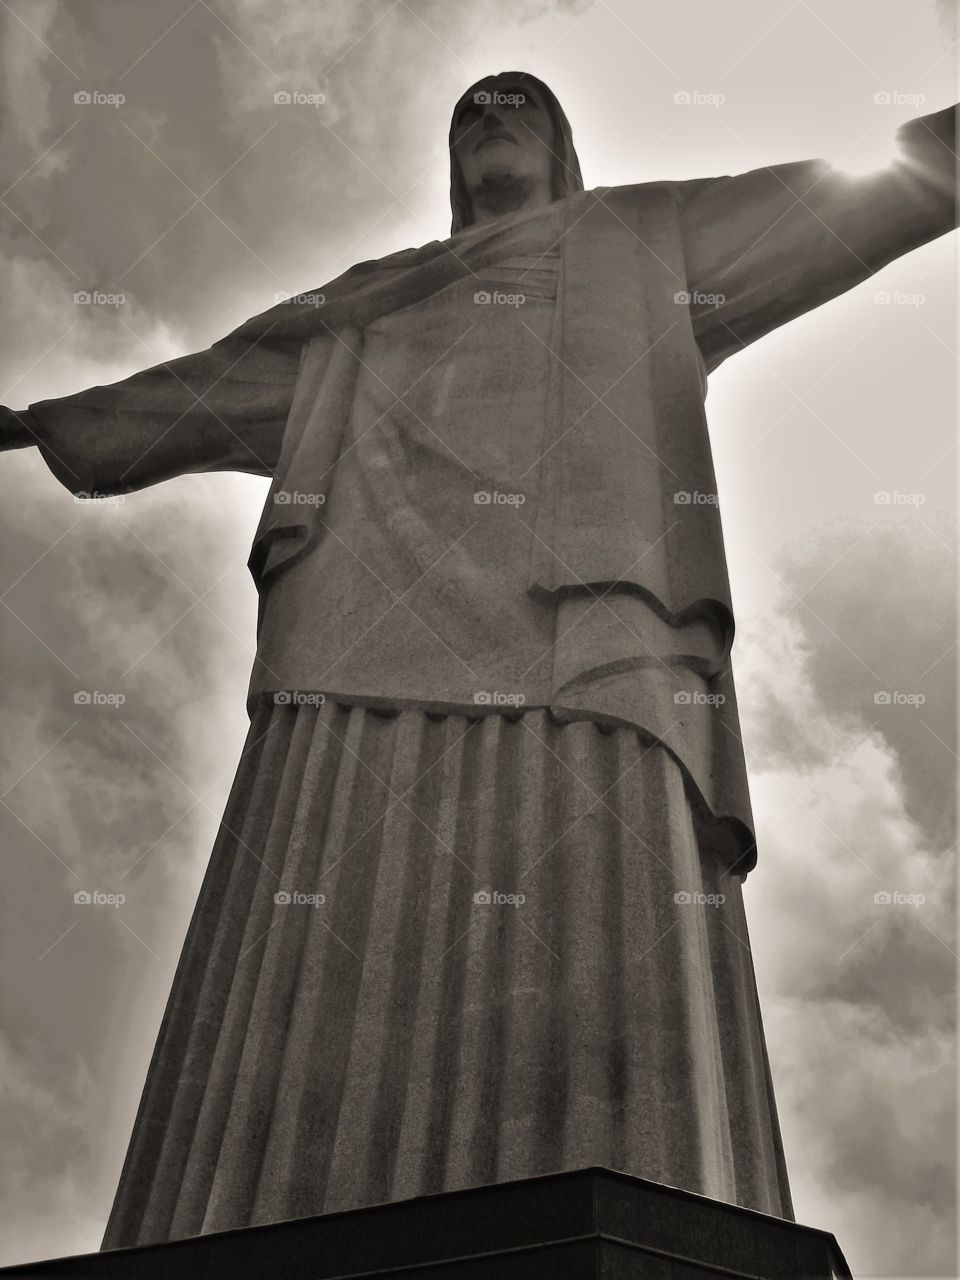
(589, 1225)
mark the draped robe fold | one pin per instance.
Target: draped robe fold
(602, 597)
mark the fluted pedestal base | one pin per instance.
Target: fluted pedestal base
(592, 1224)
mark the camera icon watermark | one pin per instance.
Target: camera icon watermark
(896, 698)
(694, 498)
(697, 698)
(297, 98)
(298, 698)
(95, 898)
(113, 499)
(697, 298)
(697, 98)
(894, 498)
(898, 98)
(97, 98)
(97, 298)
(495, 698)
(495, 98)
(294, 498)
(494, 498)
(898, 298)
(299, 299)
(295, 898)
(494, 898)
(497, 298)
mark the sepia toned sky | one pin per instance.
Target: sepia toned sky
(198, 199)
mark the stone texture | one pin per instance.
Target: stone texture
(403, 1039)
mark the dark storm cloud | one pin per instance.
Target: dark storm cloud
(859, 994)
(99, 808)
(256, 195)
(101, 197)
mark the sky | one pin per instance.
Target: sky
(198, 199)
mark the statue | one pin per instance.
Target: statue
(474, 912)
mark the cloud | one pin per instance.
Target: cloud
(868, 1120)
(50, 1111)
(857, 993)
(102, 797)
(890, 590)
(850, 797)
(947, 16)
(24, 53)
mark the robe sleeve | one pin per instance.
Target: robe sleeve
(766, 246)
(222, 409)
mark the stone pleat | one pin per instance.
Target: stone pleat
(402, 1037)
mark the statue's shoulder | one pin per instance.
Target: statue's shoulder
(402, 259)
(649, 195)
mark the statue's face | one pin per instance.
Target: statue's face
(508, 133)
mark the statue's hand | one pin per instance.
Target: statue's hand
(17, 430)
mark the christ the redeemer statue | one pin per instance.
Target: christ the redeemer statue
(474, 914)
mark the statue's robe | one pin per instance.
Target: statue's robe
(530, 698)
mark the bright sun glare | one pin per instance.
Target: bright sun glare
(877, 150)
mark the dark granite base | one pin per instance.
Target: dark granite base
(589, 1225)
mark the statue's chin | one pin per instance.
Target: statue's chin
(501, 191)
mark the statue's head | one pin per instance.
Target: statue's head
(509, 129)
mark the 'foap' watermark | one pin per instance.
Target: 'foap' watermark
(898, 98)
(494, 898)
(697, 298)
(898, 298)
(298, 698)
(696, 698)
(694, 498)
(894, 898)
(894, 498)
(294, 498)
(494, 498)
(83, 698)
(894, 698)
(97, 98)
(297, 98)
(297, 899)
(97, 298)
(95, 898)
(497, 298)
(488, 698)
(684, 898)
(494, 98)
(697, 98)
(300, 299)
(114, 499)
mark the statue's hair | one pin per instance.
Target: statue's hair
(565, 177)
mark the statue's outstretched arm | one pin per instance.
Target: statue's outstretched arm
(766, 246)
(17, 429)
(223, 409)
